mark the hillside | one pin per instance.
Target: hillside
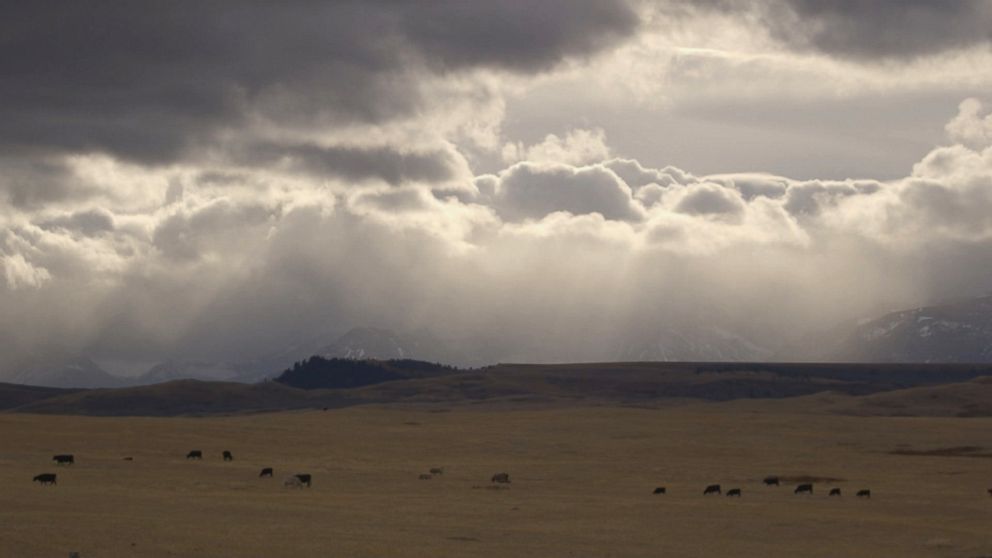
(342, 373)
(319, 383)
(184, 397)
(964, 399)
(653, 383)
(17, 395)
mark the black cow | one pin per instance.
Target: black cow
(659, 490)
(835, 492)
(502, 478)
(807, 488)
(734, 492)
(227, 456)
(425, 476)
(864, 493)
(194, 454)
(771, 481)
(304, 478)
(990, 492)
(64, 459)
(712, 489)
(266, 472)
(45, 478)
(128, 459)
(437, 470)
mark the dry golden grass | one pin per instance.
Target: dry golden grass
(582, 482)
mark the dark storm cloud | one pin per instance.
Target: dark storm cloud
(87, 222)
(869, 29)
(148, 81)
(357, 163)
(26, 183)
(886, 28)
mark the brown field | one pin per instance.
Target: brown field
(582, 481)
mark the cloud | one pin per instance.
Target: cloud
(531, 191)
(882, 28)
(578, 147)
(221, 180)
(157, 83)
(552, 261)
(20, 274)
(27, 183)
(970, 127)
(362, 163)
(555, 261)
(865, 31)
(710, 199)
(86, 222)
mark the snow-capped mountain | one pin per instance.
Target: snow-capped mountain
(67, 372)
(378, 343)
(692, 344)
(960, 331)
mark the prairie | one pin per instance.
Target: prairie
(582, 479)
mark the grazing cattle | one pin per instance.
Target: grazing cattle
(807, 488)
(734, 492)
(771, 481)
(64, 459)
(835, 492)
(266, 472)
(425, 476)
(45, 478)
(502, 478)
(194, 454)
(990, 492)
(293, 482)
(128, 459)
(227, 456)
(659, 490)
(437, 470)
(304, 478)
(864, 493)
(712, 489)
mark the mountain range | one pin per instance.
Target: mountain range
(955, 332)
(958, 331)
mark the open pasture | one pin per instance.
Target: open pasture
(582, 483)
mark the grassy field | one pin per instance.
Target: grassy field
(582, 481)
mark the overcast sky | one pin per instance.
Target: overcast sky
(215, 180)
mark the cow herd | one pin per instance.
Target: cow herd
(803, 488)
(296, 480)
(300, 480)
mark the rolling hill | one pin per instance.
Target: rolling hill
(319, 383)
(18, 395)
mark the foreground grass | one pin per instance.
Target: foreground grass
(582, 481)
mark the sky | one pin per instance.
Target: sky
(553, 178)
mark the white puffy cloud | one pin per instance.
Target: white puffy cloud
(971, 127)
(571, 255)
(20, 273)
(533, 190)
(578, 147)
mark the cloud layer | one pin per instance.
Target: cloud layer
(172, 187)
(575, 256)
